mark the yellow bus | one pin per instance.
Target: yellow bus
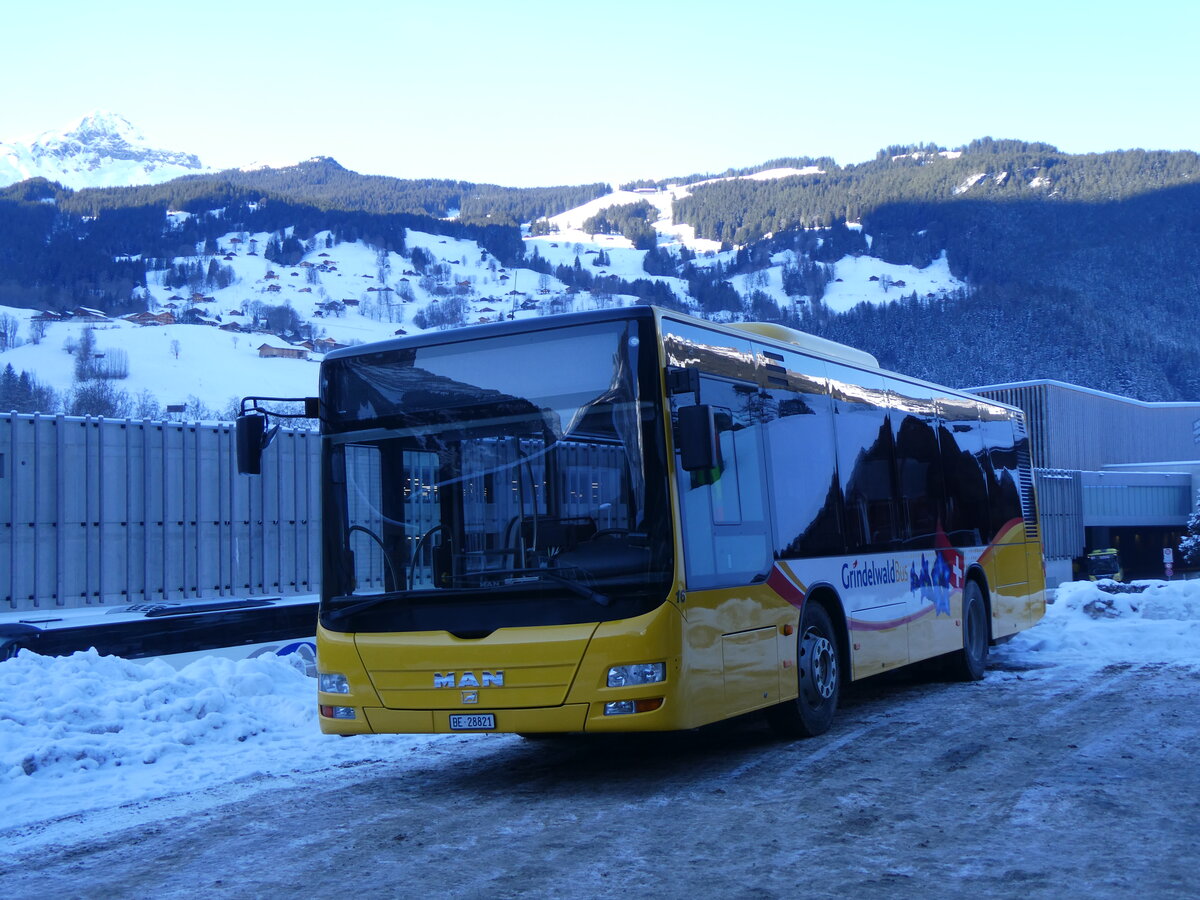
(634, 520)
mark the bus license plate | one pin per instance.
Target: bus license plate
(473, 722)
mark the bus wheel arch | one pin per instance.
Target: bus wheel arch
(820, 671)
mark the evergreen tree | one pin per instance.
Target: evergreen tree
(1189, 547)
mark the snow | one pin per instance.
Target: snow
(88, 732)
(1091, 626)
(970, 182)
(102, 149)
(857, 287)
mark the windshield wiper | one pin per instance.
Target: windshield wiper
(519, 576)
(369, 603)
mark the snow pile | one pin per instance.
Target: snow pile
(1086, 624)
(88, 731)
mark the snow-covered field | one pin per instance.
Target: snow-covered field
(87, 732)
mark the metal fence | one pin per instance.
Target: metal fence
(100, 512)
(1060, 507)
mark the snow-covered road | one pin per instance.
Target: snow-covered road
(1070, 769)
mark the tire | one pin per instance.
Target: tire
(10, 650)
(818, 676)
(970, 663)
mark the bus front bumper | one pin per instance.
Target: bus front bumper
(571, 717)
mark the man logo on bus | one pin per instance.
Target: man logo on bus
(469, 679)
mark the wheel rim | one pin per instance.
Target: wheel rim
(820, 665)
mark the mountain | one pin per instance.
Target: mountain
(102, 150)
(998, 261)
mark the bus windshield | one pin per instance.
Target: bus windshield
(495, 482)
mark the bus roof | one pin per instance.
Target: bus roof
(802, 341)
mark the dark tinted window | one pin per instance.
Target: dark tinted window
(803, 463)
(864, 454)
(919, 500)
(963, 470)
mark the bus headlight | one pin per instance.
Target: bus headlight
(332, 683)
(642, 673)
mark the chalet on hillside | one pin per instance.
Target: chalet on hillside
(86, 314)
(325, 345)
(266, 351)
(149, 318)
(273, 288)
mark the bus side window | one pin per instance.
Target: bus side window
(803, 464)
(961, 438)
(1004, 491)
(865, 458)
(919, 486)
(726, 538)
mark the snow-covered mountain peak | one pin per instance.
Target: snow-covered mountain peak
(103, 149)
(103, 126)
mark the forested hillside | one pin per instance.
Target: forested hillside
(744, 210)
(1083, 268)
(325, 185)
(1078, 267)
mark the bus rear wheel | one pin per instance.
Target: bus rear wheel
(969, 663)
(818, 676)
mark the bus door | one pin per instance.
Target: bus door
(727, 554)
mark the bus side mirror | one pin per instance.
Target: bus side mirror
(697, 439)
(252, 439)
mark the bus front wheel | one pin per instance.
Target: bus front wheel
(818, 676)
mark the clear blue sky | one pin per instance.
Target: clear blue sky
(534, 93)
